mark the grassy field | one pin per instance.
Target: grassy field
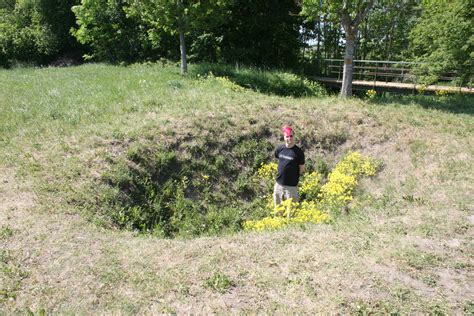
(70, 137)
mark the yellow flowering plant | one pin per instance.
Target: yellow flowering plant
(371, 94)
(289, 212)
(267, 171)
(310, 185)
(343, 179)
(317, 200)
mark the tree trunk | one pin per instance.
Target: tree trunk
(182, 47)
(351, 28)
(346, 89)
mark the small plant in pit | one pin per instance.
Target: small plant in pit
(219, 282)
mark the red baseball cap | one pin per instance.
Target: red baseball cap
(287, 130)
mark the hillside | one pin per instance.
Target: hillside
(74, 141)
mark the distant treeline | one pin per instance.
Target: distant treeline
(264, 33)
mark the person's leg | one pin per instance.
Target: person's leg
(292, 193)
(277, 194)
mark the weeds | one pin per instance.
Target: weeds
(219, 282)
(419, 260)
(11, 275)
(5, 232)
(173, 193)
(271, 82)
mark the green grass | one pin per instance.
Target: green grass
(78, 143)
(219, 282)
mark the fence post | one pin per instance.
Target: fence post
(339, 73)
(375, 76)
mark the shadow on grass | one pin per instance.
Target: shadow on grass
(456, 104)
(269, 82)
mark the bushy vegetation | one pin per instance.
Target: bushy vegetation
(216, 186)
(443, 40)
(35, 31)
(262, 34)
(271, 82)
(188, 188)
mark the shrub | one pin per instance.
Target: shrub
(272, 82)
(184, 190)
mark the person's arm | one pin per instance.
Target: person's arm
(302, 161)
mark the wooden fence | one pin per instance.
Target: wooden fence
(395, 75)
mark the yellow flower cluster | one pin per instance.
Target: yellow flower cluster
(267, 171)
(371, 93)
(226, 82)
(441, 93)
(343, 179)
(310, 185)
(289, 212)
(338, 188)
(336, 191)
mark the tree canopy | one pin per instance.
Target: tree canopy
(268, 33)
(443, 39)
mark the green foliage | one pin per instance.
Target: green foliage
(443, 40)
(24, 33)
(112, 34)
(35, 31)
(11, 275)
(261, 33)
(383, 34)
(5, 232)
(271, 82)
(158, 190)
(419, 260)
(149, 183)
(219, 282)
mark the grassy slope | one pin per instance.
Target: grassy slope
(406, 244)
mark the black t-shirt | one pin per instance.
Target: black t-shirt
(289, 161)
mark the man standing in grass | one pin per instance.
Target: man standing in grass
(290, 167)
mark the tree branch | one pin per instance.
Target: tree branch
(362, 14)
(346, 20)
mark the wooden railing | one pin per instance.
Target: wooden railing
(377, 70)
(387, 76)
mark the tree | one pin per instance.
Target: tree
(349, 14)
(24, 34)
(35, 31)
(383, 33)
(171, 16)
(443, 39)
(264, 33)
(59, 16)
(113, 36)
